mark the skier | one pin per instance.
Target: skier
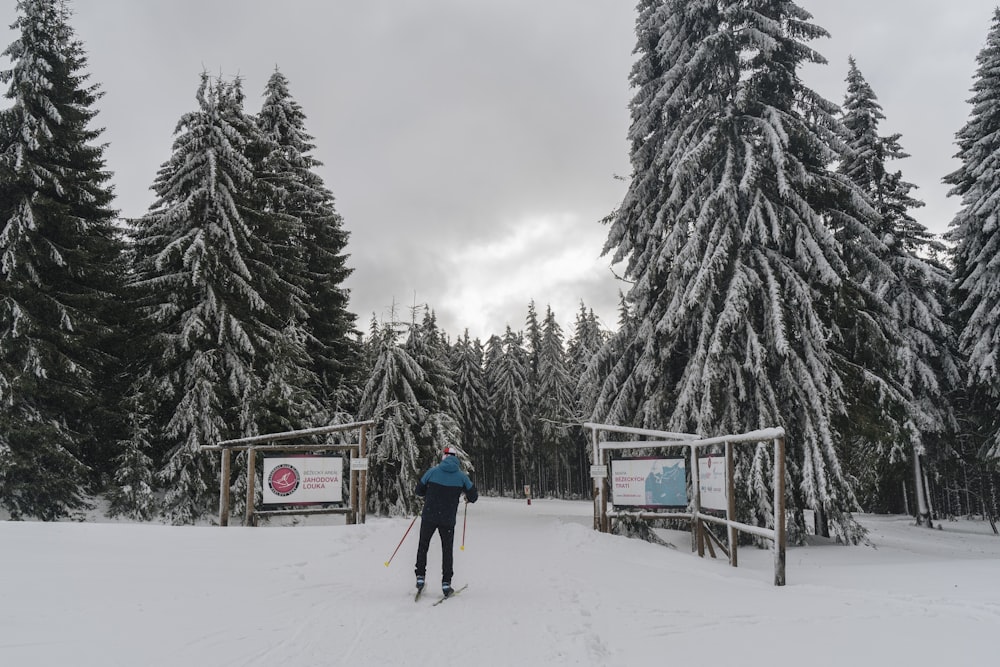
(441, 487)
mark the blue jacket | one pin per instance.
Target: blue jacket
(441, 487)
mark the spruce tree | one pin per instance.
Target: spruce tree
(474, 413)
(532, 337)
(585, 345)
(197, 283)
(429, 347)
(427, 344)
(975, 234)
(555, 407)
(288, 398)
(586, 340)
(316, 238)
(923, 364)
(582, 349)
(724, 230)
(508, 383)
(496, 452)
(59, 271)
(392, 397)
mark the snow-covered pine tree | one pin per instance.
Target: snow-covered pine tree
(294, 189)
(555, 409)
(583, 347)
(532, 338)
(132, 491)
(507, 379)
(724, 231)
(429, 347)
(59, 269)
(493, 472)
(924, 363)
(866, 333)
(587, 339)
(532, 343)
(474, 412)
(289, 397)
(194, 251)
(975, 233)
(392, 397)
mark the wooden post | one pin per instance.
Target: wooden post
(363, 475)
(597, 483)
(779, 511)
(699, 527)
(352, 516)
(251, 480)
(605, 494)
(224, 488)
(731, 531)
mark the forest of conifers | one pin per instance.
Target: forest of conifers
(775, 277)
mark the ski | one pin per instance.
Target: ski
(453, 594)
(417, 596)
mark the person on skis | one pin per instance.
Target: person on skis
(441, 487)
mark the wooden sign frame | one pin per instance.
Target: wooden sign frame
(357, 493)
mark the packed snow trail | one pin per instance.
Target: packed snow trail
(544, 589)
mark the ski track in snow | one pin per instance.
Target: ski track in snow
(544, 589)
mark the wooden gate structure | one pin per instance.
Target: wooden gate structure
(702, 536)
(269, 442)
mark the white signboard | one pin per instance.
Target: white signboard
(648, 482)
(598, 471)
(303, 479)
(712, 482)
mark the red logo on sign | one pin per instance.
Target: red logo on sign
(283, 480)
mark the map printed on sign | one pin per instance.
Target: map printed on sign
(302, 480)
(648, 482)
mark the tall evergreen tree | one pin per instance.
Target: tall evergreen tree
(923, 363)
(317, 240)
(532, 338)
(197, 265)
(429, 347)
(392, 397)
(587, 339)
(427, 344)
(584, 345)
(289, 397)
(508, 382)
(975, 233)
(59, 269)
(555, 406)
(725, 235)
(474, 413)
(496, 452)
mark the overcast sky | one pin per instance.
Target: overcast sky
(472, 145)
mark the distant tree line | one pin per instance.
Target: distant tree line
(776, 277)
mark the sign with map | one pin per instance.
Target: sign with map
(649, 482)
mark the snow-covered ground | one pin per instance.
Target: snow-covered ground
(544, 589)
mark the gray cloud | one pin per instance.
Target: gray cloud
(453, 129)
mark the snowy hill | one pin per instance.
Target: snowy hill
(544, 589)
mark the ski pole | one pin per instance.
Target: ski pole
(401, 542)
(465, 519)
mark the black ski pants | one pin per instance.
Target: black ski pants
(447, 534)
